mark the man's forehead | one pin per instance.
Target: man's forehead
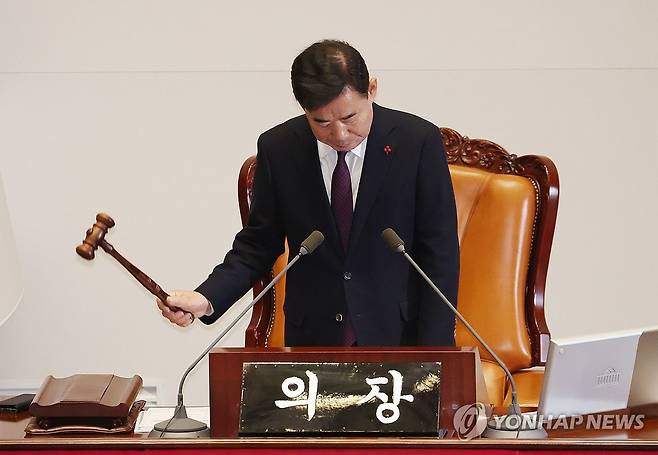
(345, 105)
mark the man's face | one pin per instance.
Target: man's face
(345, 122)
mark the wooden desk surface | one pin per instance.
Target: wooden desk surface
(12, 437)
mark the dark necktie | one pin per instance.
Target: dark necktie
(341, 198)
(341, 203)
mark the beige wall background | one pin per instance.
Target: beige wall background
(146, 109)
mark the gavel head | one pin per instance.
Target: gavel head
(95, 236)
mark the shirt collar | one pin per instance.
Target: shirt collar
(359, 150)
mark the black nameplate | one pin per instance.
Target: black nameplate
(288, 398)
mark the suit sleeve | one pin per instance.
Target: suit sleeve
(254, 249)
(436, 244)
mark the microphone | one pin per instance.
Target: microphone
(513, 425)
(311, 242)
(180, 426)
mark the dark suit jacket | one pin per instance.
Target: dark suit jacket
(408, 189)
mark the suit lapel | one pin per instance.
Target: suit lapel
(375, 168)
(309, 169)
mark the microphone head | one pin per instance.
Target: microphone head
(393, 240)
(311, 243)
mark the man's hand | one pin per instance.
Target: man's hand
(189, 302)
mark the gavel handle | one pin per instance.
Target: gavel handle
(142, 277)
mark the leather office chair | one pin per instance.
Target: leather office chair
(506, 208)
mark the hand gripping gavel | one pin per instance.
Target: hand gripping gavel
(96, 236)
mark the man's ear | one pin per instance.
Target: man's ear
(372, 89)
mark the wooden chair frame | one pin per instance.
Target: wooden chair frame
(460, 151)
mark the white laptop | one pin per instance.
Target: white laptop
(600, 373)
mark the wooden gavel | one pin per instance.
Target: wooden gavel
(96, 237)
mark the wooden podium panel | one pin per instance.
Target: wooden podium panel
(461, 378)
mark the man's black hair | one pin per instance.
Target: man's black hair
(323, 70)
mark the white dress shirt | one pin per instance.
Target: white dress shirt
(354, 159)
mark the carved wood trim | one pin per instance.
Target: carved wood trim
(479, 153)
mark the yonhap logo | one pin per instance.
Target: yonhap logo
(470, 421)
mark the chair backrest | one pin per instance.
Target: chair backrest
(506, 208)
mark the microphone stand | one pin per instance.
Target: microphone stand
(181, 426)
(511, 426)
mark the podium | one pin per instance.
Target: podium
(462, 382)
(460, 385)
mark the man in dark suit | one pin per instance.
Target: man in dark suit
(348, 168)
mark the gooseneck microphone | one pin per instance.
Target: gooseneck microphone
(180, 426)
(513, 425)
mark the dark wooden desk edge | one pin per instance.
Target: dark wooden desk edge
(559, 441)
(38, 443)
